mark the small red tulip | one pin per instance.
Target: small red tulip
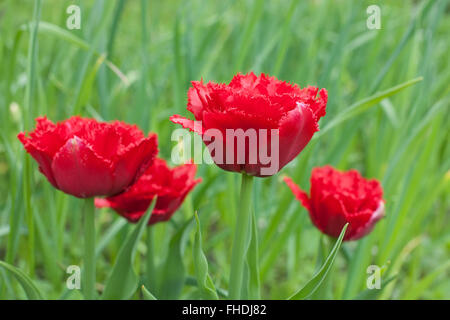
(85, 158)
(170, 186)
(339, 197)
(279, 119)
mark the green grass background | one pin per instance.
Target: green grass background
(153, 50)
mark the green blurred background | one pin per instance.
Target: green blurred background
(153, 49)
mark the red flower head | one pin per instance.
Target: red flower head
(339, 197)
(170, 185)
(277, 119)
(85, 158)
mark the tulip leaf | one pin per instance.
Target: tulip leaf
(324, 291)
(123, 281)
(147, 294)
(27, 284)
(318, 278)
(174, 271)
(204, 281)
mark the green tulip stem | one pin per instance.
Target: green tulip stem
(241, 238)
(89, 249)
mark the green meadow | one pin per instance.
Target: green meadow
(387, 116)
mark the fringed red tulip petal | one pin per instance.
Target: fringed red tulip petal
(257, 103)
(296, 130)
(169, 185)
(136, 159)
(298, 193)
(337, 198)
(85, 158)
(79, 171)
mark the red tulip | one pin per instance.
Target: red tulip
(169, 185)
(274, 116)
(85, 158)
(339, 197)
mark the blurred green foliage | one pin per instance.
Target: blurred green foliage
(134, 60)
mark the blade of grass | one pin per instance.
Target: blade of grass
(285, 37)
(364, 105)
(409, 32)
(87, 86)
(29, 106)
(420, 287)
(174, 271)
(318, 278)
(254, 287)
(245, 41)
(146, 294)
(49, 28)
(25, 281)
(123, 281)
(204, 281)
